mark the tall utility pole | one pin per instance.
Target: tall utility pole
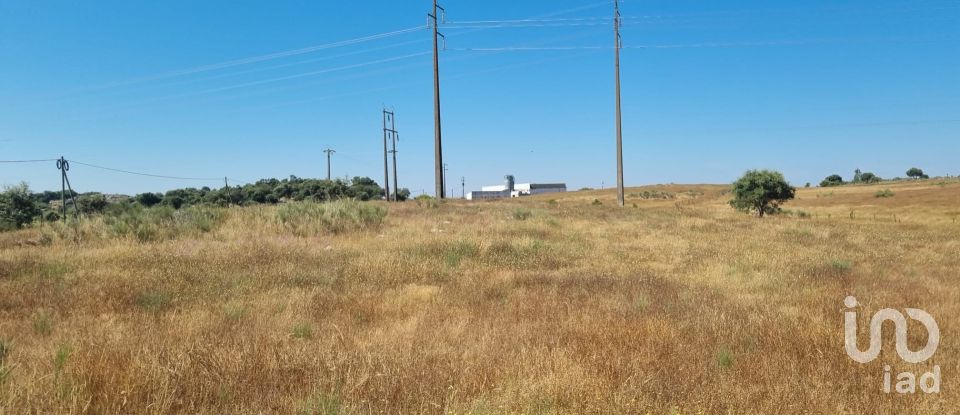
(396, 188)
(387, 115)
(443, 176)
(329, 152)
(463, 187)
(437, 140)
(390, 133)
(619, 40)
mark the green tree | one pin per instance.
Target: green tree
(868, 177)
(916, 173)
(365, 188)
(761, 191)
(149, 199)
(17, 207)
(91, 203)
(832, 180)
(857, 176)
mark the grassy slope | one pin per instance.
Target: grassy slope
(674, 305)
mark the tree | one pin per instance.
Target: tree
(857, 176)
(832, 180)
(365, 188)
(91, 203)
(17, 207)
(915, 173)
(149, 199)
(870, 178)
(761, 191)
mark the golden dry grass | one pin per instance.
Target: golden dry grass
(554, 304)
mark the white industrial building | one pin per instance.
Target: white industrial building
(511, 189)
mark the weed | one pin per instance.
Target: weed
(839, 266)
(653, 195)
(60, 358)
(313, 219)
(234, 312)
(596, 202)
(321, 404)
(456, 252)
(522, 214)
(6, 347)
(41, 323)
(154, 301)
(302, 331)
(884, 193)
(724, 359)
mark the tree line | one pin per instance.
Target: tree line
(868, 178)
(20, 207)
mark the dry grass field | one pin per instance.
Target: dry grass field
(563, 304)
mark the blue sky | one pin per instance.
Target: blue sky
(710, 89)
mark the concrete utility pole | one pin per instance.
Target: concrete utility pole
(437, 142)
(616, 29)
(329, 152)
(463, 187)
(386, 166)
(396, 137)
(444, 176)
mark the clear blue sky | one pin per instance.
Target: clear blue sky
(710, 89)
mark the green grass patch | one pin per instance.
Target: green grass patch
(302, 331)
(312, 219)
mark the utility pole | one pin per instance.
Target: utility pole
(64, 166)
(437, 141)
(619, 40)
(444, 177)
(329, 152)
(396, 137)
(463, 187)
(386, 166)
(226, 182)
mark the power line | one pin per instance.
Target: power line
(270, 80)
(27, 161)
(159, 176)
(261, 58)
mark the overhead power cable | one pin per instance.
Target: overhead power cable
(262, 58)
(159, 176)
(26, 161)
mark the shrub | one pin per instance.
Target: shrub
(162, 222)
(522, 214)
(310, 218)
(427, 202)
(149, 199)
(654, 195)
(884, 193)
(17, 207)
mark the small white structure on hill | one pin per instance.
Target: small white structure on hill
(512, 189)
